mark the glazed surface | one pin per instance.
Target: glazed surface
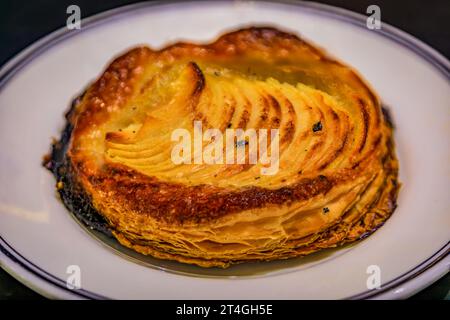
(337, 177)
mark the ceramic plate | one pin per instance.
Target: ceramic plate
(42, 245)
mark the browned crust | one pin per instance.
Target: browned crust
(138, 192)
(178, 204)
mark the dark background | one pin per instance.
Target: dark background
(23, 22)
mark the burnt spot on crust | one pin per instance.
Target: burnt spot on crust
(387, 116)
(73, 196)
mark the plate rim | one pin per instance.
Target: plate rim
(12, 261)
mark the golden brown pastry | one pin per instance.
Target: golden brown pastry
(336, 179)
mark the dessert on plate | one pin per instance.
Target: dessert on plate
(330, 170)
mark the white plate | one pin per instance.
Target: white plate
(40, 239)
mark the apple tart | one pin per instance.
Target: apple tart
(334, 177)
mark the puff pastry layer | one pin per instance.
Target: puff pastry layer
(337, 177)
